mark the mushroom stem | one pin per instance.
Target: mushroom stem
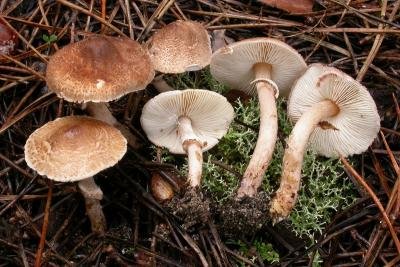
(161, 85)
(286, 196)
(267, 134)
(101, 112)
(192, 147)
(93, 194)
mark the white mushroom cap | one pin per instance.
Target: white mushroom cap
(179, 47)
(233, 64)
(210, 114)
(74, 148)
(356, 125)
(99, 69)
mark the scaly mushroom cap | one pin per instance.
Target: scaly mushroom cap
(74, 148)
(210, 114)
(179, 47)
(356, 125)
(99, 69)
(233, 64)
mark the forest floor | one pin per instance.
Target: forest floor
(361, 38)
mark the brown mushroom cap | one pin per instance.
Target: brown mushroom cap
(99, 69)
(179, 47)
(74, 148)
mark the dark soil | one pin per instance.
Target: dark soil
(243, 217)
(192, 207)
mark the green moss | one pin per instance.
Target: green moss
(265, 250)
(324, 188)
(197, 80)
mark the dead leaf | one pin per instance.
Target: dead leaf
(291, 6)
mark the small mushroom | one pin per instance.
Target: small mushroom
(187, 122)
(268, 67)
(179, 47)
(8, 39)
(161, 190)
(74, 148)
(335, 115)
(100, 69)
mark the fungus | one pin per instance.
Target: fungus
(74, 148)
(8, 39)
(187, 122)
(179, 47)
(335, 115)
(100, 69)
(161, 190)
(267, 67)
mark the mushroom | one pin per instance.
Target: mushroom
(8, 39)
(161, 190)
(335, 115)
(179, 47)
(266, 66)
(74, 148)
(187, 122)
(99, 69)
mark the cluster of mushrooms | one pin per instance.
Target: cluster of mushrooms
(334, 114)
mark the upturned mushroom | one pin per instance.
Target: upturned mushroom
(187, 122)
(75, 148)
(267, 67)
(179, 47)
(100, 69)
(335, 115)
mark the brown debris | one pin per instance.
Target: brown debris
(244, 217)
(291, 6)
(192, 208)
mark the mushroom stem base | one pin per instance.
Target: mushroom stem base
(93, 194)
(101, 112)
(193, 149)
(267, 134)
(286, 196)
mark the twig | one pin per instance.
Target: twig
(39, 253)
(378, 41)
(23, 39)
(160, 11)
(196, 248)
(40, 76)
(376, 201)
(87, 12)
